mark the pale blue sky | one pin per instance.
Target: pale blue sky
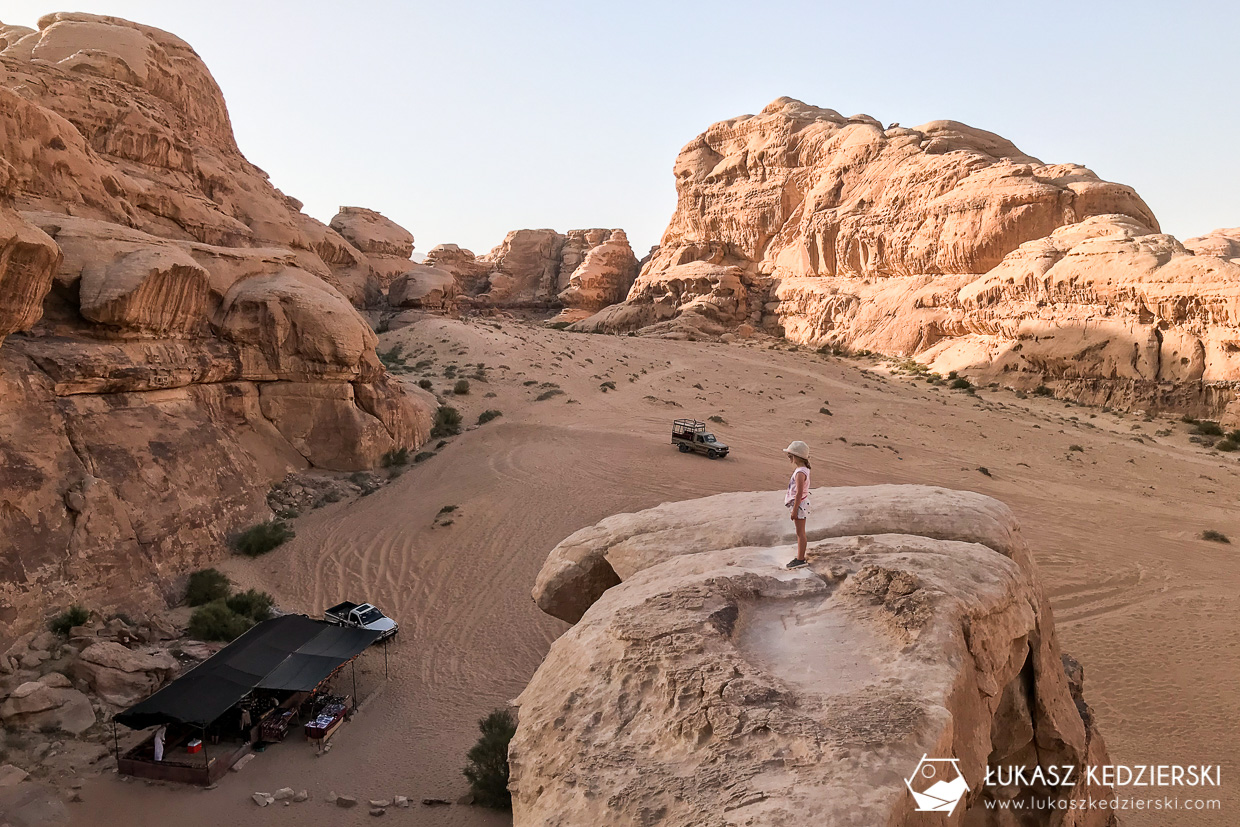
(464, 120)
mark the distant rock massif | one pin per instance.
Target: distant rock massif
(703, 684)
(179, 333)
(947, 244)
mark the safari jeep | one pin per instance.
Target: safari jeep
(691, 435)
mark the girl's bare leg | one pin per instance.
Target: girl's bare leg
(800, 539)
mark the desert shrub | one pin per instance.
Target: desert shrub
(215, 621)
(487, 769)
(545, 395)
(559, 325)
(1042, 390)
(206, 585)
(1226, 445)
(383, 326)
(251, 603)
(717, 419)
(73, 616)
(529, 382)
(264, 537)
(392, 358)
(461, 387)
(447, 509)
(607, 386)
(425, 384)
(826, 411)
(984, 470)
(487, 416)
(1206, 427)
(961, 384)
(1215, 536)
(1075, 448)
(396, 457)
(1188, 419)
(423, 456)
(447, 422)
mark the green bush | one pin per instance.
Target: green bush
(1226, 445)
(392, 359)
(487, 416)
(253, 604)
(1042, 390)
(461, 387)
(447, 422)
(397, 457)
(215, 621)
(205, 586)
(545, 395)
(262, 538)
(487, 770)
(425, 384)
(961, 384)
(423, 456)
(1206, 427)
(1215, 536)
(1075, 448)
(75, 615)
(716, 419)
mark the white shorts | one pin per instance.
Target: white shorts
(803, 511)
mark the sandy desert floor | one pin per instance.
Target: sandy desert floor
(1148, 607)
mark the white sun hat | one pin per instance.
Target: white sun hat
(798, 449)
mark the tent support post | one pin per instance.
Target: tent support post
(353, 666)
(206, 760)
(385, 658)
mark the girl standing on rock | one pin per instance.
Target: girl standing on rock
(797, 498)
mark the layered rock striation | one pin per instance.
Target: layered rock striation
(177, 333)
(581, 271)
(704, 684)
(945, 243)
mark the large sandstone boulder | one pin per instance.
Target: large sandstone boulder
(370, 232)
(39, 705)
(705, 683)
(121, 677)
(28, 260)
(425, 287)
(603, 277)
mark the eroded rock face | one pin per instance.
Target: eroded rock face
(583, 270)
(706, 684)
(179, 333)
(948, 244)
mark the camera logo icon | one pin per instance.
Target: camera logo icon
(937, 785)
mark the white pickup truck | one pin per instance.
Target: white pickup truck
(362, 616)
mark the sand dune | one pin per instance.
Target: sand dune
(1146, 606)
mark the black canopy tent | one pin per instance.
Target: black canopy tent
(292, 653)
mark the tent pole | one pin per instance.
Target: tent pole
(385, 659)
(206, 761)
(353, 666)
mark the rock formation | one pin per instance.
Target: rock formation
(582, 270)
(177, 334)
(386, 247)
(944, 243)
(704, 684)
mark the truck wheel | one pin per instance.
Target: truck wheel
(712, 453)
(684, 449)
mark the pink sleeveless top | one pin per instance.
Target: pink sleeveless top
(791, 496)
